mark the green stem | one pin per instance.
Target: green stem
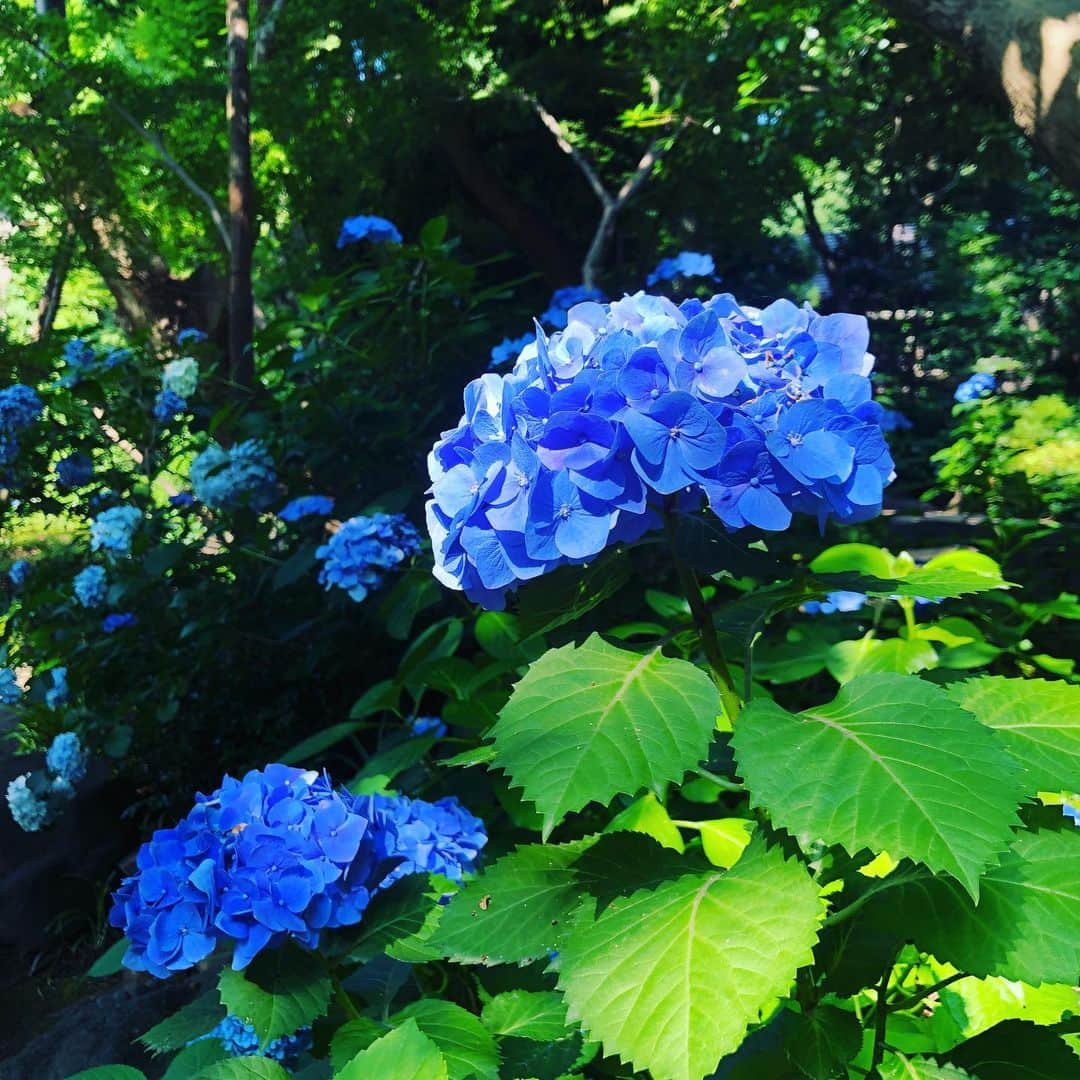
(845, 913)
(722, 782)
(909, 1002)
(881, 1018)
(343, 998)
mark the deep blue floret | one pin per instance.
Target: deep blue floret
(18, 572)
(117, 621)
(306, 506)
(367, 227)
(75, 470)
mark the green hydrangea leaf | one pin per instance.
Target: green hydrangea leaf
(194, 1019)
(467, 1046)
(527, 1014)
(590, 722)
(244, 1068)
(892, 764)
(280, 990)
(405, 1053)
(1017, 1050)
(352, 1037)
(898, 1067)
(669, 979)
(193, 1059)
(821, 1042)
(1038, 721)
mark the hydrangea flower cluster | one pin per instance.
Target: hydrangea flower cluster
(640, 406)
(427, 725)
(167, 405)
(182, 499)
(113, 530)
(241, 1040)
(359, 554)
(842, 600)
(976, 386)
(59, 693)
(75, 470)
(181, 377)
(244, 473)
(35, 799)
(19, 407)
(306, 506)
(562, 300)
(79, 359)
(684, 265)
(509, 349)
(190, 334)
(10, 690)
(367, 227)
(91, 585)
(18, 572)
(118, 621)
(279, 854)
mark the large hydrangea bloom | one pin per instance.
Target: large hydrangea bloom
(244, 473)
(639, 406)
(279, 854)
(360, 553)
(113, 530)
(19, 406)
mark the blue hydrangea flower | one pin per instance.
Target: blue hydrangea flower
(190, 333)
(113, 530)
(894, 420)
(91, 585)
(306, 506)
(117, 621)
(642, 407)
(977, 386)
(365, 227)
(509, 349)
(57, 695)
(181, 377)
(75, 470)
(1072, 810)
(79, 358)
(276, 855)
(167, 405)
(182, 499)
(358, 555)
(18, 572)
(684, 265)
(242, 474)
(66, 756)
(562, 300)
(116, 357)
(10, 690)
(30, 810)
(19, 406)
(842, 600)
(427, 725)
(431, 838)
(241, 1040)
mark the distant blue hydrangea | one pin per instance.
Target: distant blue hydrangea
(116, 357)
(57, 695)
(976, 386)
(430, 838)
(66, 757)
(189, 333)
(182, 499)
(841, 600)
(91, 585)
(241, 1040)
(242, 474)
(167, 405)
(75, 470)
(364, 227)
(10, 690)
(19, 406)
(684, 265)
(306, 506)
(562, 300)
(117, 621)
(894, 420)
(509, 349)
(1072, 810)
(113, 530)
(279, 854)
(18, 572)
(181, 377)
(79, 358)
(358, 555)
(641, 407)
(427, 725)
(29, 809)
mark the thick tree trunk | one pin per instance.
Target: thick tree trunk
(1029, 51)
(238, 110)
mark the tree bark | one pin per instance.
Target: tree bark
(49, 304)
(1029, 51)
(238, 112)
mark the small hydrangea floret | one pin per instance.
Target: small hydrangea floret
(686, 264)
(641, 407)
(113, 530)
(976, 386)
(369, 227)
(18, 572)
(306, 506)
(118, 621)
(91, 585)
(359, 555)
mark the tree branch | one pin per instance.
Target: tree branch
(265, 31)
(568, 148)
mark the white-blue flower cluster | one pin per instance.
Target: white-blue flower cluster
(113, 530)
(360, 553)
(59, 693)
(35, 799)
(181, 376)
(242, 474)
(91, 586)
(66, 756)
(686, 264)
